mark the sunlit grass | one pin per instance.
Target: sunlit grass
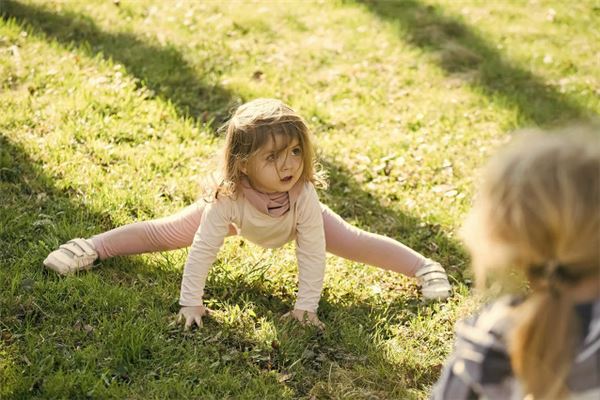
(110, 113)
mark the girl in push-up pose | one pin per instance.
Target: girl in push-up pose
(267, 195)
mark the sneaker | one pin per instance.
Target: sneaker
(433, 281)
(75, 255)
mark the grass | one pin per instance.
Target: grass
(109, 115)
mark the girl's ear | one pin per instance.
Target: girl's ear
(244, 167)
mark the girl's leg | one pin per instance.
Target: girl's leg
(349, 242)
(168, 233)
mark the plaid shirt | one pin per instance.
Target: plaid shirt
(479, 367)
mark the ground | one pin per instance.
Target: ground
(110, 114)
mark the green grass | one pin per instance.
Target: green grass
(109, 115)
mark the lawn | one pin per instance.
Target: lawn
(110, 113)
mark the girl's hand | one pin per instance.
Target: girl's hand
(192, 315)
(305, 318)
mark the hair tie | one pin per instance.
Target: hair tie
(552, 277)
(551, 272)
(551, 268)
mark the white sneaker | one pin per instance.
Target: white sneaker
(434, 281)
(75, 255)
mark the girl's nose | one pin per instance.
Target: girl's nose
(286, 162)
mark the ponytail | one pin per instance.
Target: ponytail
(542, 360)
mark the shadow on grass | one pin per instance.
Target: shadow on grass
(350, 343)
(459, 49)
(160, 68)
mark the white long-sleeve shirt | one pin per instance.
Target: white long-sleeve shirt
(303, 222)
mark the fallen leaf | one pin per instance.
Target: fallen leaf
(442, 188)
(258, 75)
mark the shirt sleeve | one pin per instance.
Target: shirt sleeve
(310, 251)
(452, 383)
(207, 241)
(479, 366)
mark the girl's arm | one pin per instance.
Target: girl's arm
(310, 251)
(209, 238)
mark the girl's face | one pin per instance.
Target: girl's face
(274, 168)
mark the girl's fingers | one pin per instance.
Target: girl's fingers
(305, 318)
(318, 324)
(312, 319)
(188, 322)
(191, 315)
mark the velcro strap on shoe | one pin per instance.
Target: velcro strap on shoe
(435, 275)
(73, 248)
(84, 245)
(430, 268)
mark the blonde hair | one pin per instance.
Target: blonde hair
(252, 126)
(538, 215)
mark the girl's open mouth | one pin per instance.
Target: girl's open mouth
(286, 179)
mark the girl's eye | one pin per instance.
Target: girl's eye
(271, 157)
(297, 151)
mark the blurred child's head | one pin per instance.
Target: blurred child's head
(265, 136)
(539, 207)
(538, 214)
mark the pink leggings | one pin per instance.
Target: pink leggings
(177, 231)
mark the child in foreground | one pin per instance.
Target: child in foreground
(537, 217)
(268, 196)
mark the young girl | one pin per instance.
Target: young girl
(539, 213)
(267, 195)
